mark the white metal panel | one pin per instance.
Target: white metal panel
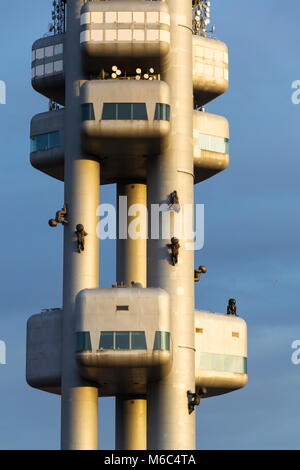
(49, 51)
(138, 35)
(58, 49)
(39, 70)
(49, 68)
(97, 35)
(124, 35)
(152, 35)
(139, 17)
(110, 34)
(85, 18)
(165, 18)
(110, 17)
(40, 53)
(153, 17)
(85, 36)
(97, 17)
(58, 66)
(165, 35)
(124, 17)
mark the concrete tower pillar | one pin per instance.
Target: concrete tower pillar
(79, 410)
(131, 411)
(170, 426)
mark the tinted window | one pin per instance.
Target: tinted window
(107, 340)
(109, 111)
(83, 341)
(42, 142)
(162, 112)
(87, 112)
(45, 141)
(124, 111)
(213, 143)
(139, 111)
(122, 340)
(54, 140)
(138, 340)
(162, 340)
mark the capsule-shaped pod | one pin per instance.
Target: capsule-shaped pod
(210, 69)
(128, 34)
(43, 350)
(47, 67)
(221, 353)
(123, 338)
(211, 144)
(47, 143)
(127, 117)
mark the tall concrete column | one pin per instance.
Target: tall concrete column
(170, 426)
(79, 408)
(131, 411)
(131, 423)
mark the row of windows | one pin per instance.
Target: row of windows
(45, 141)
(212, 54)
(223, 363)
(213, 143)
(48, 51)
(125, 111)
(211, 71)
(47, 69)
(125, 17)
(127, 35)
(123, 340)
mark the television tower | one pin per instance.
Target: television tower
(127, 82)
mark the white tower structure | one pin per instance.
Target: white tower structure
(127, 81)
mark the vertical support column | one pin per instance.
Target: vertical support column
(131, 423)
(79, 406)
(131, 411)
(170, 426)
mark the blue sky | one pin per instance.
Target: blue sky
(251, 229)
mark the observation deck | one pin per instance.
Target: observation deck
(128, 33)
(103, 48)
(47, 143)
(123, 338)
(210, 69)
(129, 330)
(221, 353)
(47, 67)
(124, 117)
(211, 144)
(123, 131)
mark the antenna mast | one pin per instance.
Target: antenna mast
(201, 17)
(58, 25)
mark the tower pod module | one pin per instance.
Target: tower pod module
(210, 69)
(47, 67)
(211, 145)
(43, 351)
(124, 117)
(106, 138)
(129, 34)
(123, 338)
(46, 143)
(221, 353)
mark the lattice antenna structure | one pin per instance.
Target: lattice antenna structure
(201, 17)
